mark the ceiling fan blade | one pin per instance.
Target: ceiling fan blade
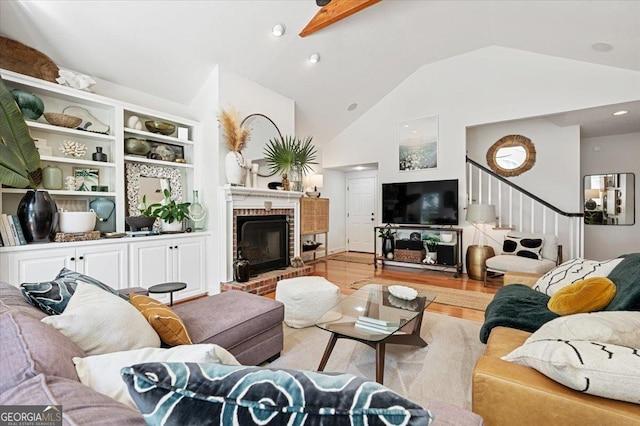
(333, 12)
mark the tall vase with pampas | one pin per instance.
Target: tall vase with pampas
(236, 137)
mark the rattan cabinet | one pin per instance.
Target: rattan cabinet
(314, 220)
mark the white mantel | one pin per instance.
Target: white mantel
(238, 197)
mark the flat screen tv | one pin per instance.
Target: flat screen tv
(433, 202)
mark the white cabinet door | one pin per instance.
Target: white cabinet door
(150, 262)
(35, 266)
(189, 266)
(107, 264)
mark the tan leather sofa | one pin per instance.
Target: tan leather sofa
(508, 394)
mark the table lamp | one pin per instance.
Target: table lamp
(477, 254)
(316, 181)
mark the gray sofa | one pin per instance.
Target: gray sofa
(36, 365)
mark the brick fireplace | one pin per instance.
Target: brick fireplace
(240, 201)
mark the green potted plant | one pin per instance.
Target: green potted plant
(144, 220)
(20, 167)
(291, 156)
(431, 241)
(169, 212)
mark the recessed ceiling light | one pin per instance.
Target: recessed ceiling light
(602, 47)
(278, 30)
(314, 58)
(623, 112)
(359, 168)
(352, 106)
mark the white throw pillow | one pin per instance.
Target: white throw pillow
(99, 322)
(572, 271)
(600, 369)
(102, 372)
(617, 327)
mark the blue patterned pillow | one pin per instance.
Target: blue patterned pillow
(66, 273)
(188, 393)
(51, 297)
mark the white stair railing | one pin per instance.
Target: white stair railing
(520, 210)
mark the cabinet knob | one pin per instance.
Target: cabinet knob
(175, 247)
(73, 259)
(81, 258)
(170, 248)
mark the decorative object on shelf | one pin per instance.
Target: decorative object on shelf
(134, 122)
(387, 235)
(86, 178)
(236, 136)
(183, 133)
(89, 122)
(99, 155)
(75, 80)
(297, 262)
(72, 222)
(247, 179)
(316, 181)
(293, 156)
(254, 173)
(431, 242)
(197, 212)
(139, 223)
(70, 183)
(62, 120)
(310, 245)
(418, 144)
(99, 188)
(241, 268)
(135, 176)
(52, 177)
(511, 155)
(165, 152)
(42, 147)
(30, 105)
(136, 146)
(20, 165)
(71, 148)
(478, 254)
(403, 292)
(446, 237)
(62, 237)
(38, 216)
(169, 212)
(286, 186)
(105, 213)
(17, 57)
(161, 127)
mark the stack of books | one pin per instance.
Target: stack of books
(376, 325)
(11, 231)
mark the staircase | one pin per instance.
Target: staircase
(518, 209)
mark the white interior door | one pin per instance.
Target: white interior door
(361, 213)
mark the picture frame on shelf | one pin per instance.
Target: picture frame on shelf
(165, 152)
(86, 177)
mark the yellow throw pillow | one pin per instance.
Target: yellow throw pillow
(164, 321)
(591, 294)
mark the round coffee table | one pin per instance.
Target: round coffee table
(168, 288)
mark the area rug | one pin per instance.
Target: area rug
(354, 259)
(441, 371)
(444, 295)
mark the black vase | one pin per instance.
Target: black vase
(387, 246)
(241, 269)
(38, 216)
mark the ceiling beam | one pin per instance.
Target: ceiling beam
(333, 12)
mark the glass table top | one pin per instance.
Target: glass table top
(372, 313)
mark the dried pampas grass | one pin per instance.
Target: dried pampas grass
(236, 136)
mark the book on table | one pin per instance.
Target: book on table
(375, 328)
(379, 322)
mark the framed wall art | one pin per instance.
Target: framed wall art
(418, 144)
(86, 178)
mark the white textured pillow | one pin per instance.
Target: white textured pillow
(99, 322)
(572, 271)
(102, 372)
(600, 369)
(617, 327)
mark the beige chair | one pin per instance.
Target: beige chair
(551, 257)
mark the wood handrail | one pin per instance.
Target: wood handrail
(524, 191)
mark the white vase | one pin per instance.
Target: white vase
(234, 168)
(174, 226)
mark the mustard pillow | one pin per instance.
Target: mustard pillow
(164, 321)
(591, 294)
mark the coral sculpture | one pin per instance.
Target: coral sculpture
(73, 149)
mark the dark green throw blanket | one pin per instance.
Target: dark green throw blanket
(519, 306)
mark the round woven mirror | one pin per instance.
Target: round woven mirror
(512, 155)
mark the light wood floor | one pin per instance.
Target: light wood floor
(343, 273)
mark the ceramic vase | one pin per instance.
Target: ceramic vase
(241, 269)
(234, 168)
(38, 216)
(387, 246)
(174, 226)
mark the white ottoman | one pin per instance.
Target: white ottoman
(306, 299)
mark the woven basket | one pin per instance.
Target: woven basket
(410, 256)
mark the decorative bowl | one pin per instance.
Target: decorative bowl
(310, 246)
(161, 127)
(70, 222)
(137, 223)
(62, 120)
(137, 146)
(403, 292)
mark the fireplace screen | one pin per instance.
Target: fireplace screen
(264, 241)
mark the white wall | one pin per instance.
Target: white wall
(617, 154)
(489, 85)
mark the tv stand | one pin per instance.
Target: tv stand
(456, 244)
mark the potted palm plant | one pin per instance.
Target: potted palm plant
(169, 212)
(20, 167)
(291, 156)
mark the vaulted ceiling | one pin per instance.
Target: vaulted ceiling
(169, 48)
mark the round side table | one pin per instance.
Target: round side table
(168, 288)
